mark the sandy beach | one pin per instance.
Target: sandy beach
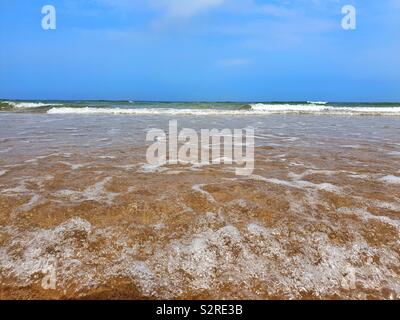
(317, 219)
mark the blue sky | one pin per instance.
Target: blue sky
(242, 50)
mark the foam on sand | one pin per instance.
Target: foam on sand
(96, 192)
(67, 249)
(394, 153)
(299, 184)
(33, 202)
(199, 188)
(152, 168)
(230, 256)
(365, 215)
(259, 259)
(390, 179)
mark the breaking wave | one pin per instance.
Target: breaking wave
(29, 105)
(323, 109)
(254, 109)
(143, 111)
(130, 107)
(317, 102)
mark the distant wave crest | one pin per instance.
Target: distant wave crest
(29, 105)
(323, 109)
(255, 109)
(287, 108)
(144, 111)
(317, 102)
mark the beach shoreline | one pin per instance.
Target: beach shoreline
(317, 219)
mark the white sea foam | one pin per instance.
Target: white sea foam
(70, 256)
(27, 105)
(366, 215)
(322, 108)
(23, 183)
(96, 192)
(202, 259)
(393, 206)
(317, 102)
(360, 176)
(151, 168)
(287, 108)
(390, 179)
(33, 202)
(239, 202)
(173, 172)
(311, 172)
(147, 111)
(207, 195)
(299, 184)
(126, 166)
(394, 153)
(74, 166)
(36, 159)
(256, 109)
(234, 256)
(19, 189)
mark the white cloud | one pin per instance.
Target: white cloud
(252, 7)
(274, 10)
(122, 4)
(234, 62)
(186, 8)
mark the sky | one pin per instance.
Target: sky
(200, 50)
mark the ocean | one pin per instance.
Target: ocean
(198, 108)
(82, 212)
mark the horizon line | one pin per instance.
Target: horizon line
(208, 101)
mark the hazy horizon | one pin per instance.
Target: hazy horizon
(211, 101)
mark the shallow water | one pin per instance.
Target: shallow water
(318, 218)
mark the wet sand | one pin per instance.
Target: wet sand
(318, 219)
